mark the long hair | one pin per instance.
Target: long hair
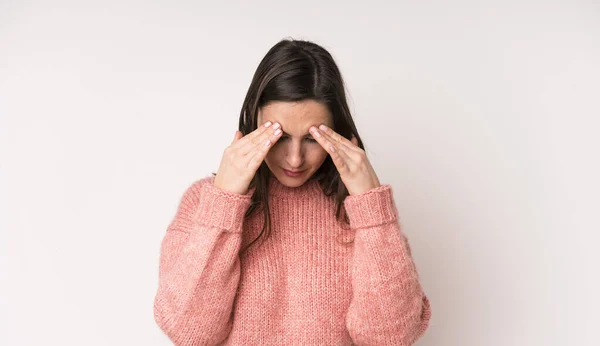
(297, 70)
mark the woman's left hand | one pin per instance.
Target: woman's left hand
(351, 161)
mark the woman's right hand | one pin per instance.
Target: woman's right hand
(243, 156)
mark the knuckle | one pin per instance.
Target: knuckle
(231, 153)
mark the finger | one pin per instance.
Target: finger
(266, 139)
(321, 138)
(252, 135)
(340, 157)
(337, 138)
(263, 148)
(326, 141)
(259, 139)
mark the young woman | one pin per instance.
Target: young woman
(332, 266)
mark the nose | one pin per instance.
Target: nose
(294, 155)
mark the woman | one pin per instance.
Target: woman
(332, 266)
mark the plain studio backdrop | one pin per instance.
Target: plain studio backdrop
(483, 116)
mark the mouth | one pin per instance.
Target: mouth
(293, 173)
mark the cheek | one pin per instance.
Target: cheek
(317, 154)
(273, 154)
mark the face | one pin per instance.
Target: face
(296, 150)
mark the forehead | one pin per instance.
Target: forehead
(295, 115)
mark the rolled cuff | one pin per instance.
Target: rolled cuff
(371, 208)
(221, 209)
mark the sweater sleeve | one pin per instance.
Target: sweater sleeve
(199, 267)
(388, 305)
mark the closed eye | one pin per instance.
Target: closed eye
(310, 140)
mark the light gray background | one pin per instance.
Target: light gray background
(483, 116)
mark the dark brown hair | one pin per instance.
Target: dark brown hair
(297, 70)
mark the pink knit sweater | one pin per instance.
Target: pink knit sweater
(308, 284)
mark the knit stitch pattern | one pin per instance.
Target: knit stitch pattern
(312, 282)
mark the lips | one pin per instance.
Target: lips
(294, 173)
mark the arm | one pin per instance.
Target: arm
(199, 266)
(388, 306)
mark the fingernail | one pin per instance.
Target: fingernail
(267, 124)
(314, 132)
(276, 126)
(323, 127)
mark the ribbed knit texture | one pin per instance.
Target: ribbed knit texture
(312, 282)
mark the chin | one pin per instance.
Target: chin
(291, 181)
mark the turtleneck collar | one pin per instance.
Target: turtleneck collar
(309, 188)
(276, 188)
